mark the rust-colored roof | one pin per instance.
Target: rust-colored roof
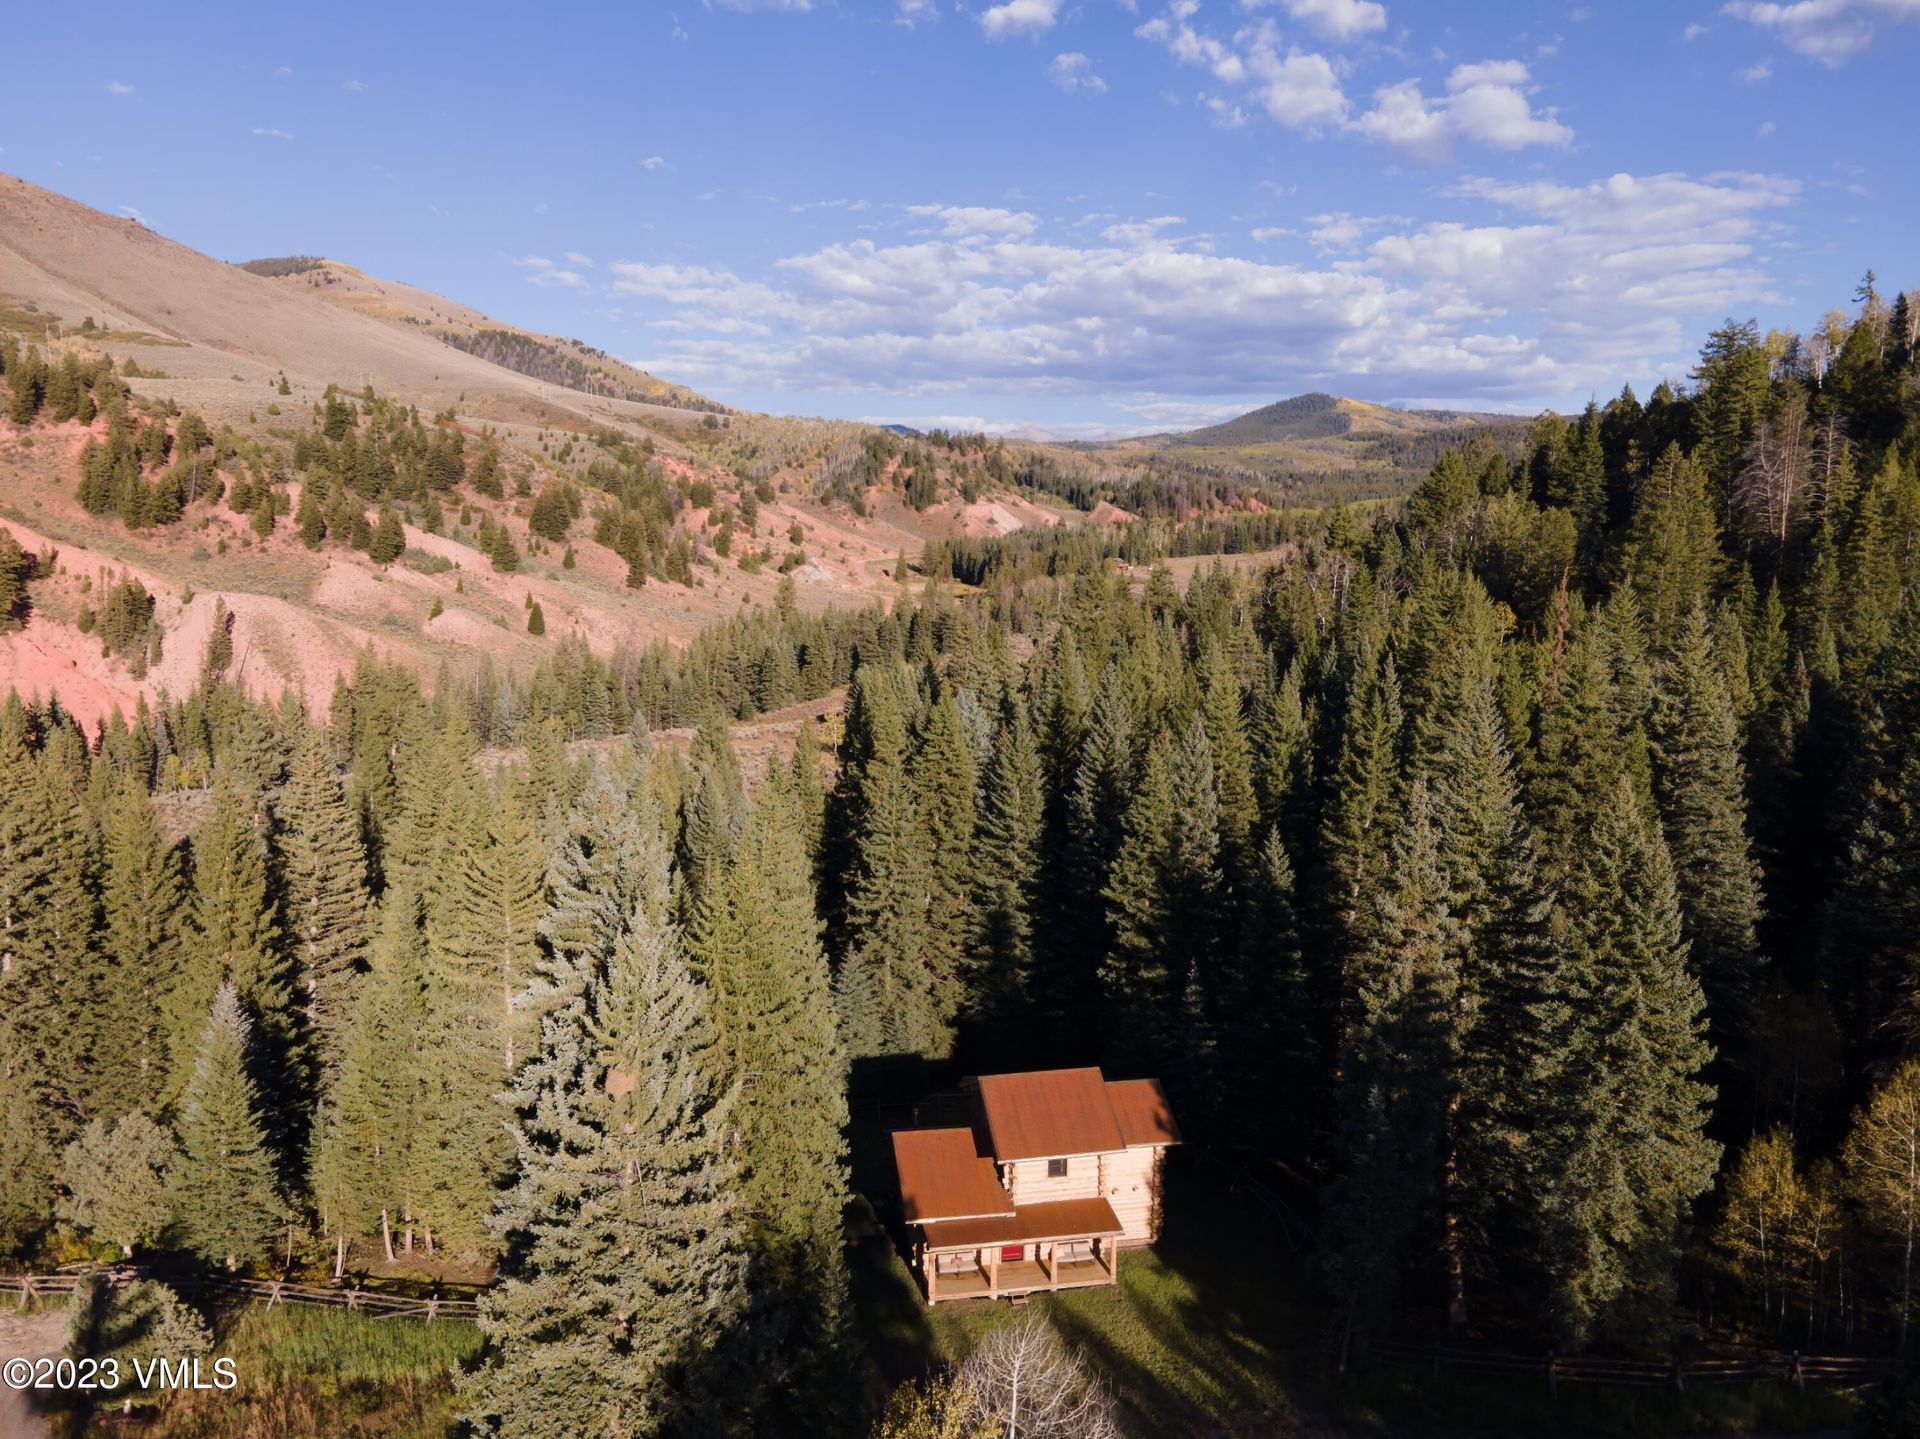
(1063, 1219)
(944, 1176)
(1141, 1108)
(1047, 1113)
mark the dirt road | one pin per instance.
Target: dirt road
(27, 1336)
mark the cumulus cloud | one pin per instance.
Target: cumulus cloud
(1692, 33)
(914, 12)
(268, 133)
(1524, 290)
(1020, 17)
(542, 271)
(119, 87)
(654, 162)
(1755, 73)
(356, 86)
(1486, 102)
(973, 221)
(575, 258)
(1830, 31)
(1342, 21)
(795, 7)
(1073, 72)
(1299, 89)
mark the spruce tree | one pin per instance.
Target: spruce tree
(1397, 1080)
(888, 997)
(778, 1043)
(940, 768)
(144, 900)
(1700, 782)
(233, 938)
(324, 878)
(1621, 1150)
(228, 1208)
(624, 1272)
(1007, 864)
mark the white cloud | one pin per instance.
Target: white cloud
(654, 162)
(1767, 127)
(268, 133)
(1692, 33)
(793, 7)
(543, 271)
(1020, 17)
(1226, 114)
(1486, 102)
(973, 221)
(119, 87)
(1342, 21)
(1073, 72)
(283, 72)
(357, 87)
(913, 12)
(1520, 291)
(541, 208)
(1137, 233)
(584, 262)
(1754, 74)
(1300, 91)
(1830, 31)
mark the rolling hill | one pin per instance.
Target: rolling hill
(263, 358)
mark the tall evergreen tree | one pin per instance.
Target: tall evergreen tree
(1621, 1148)
(625, 1271)
(777, 1042)
(1700, 782)
(226, 1185)
(324, 875)
(144, 901)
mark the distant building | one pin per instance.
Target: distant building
(1059, 1172)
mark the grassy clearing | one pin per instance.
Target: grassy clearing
(324, 1374)
(1218, 1329)
(1215, 1326)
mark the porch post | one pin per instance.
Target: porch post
(993, 1270)
(930, 1266)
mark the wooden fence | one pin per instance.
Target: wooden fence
(1557, 1369)
(375, 1303)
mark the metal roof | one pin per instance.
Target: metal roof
(1048, 1113)
(1063, 1219)
(944, 1176)
(1141, 1108)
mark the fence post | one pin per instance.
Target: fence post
(1553, 1373)
(433, 1307)
(1679, 1377)
(1798, 1375)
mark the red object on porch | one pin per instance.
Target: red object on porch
(1011, 1253)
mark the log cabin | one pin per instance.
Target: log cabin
(1058, 1172)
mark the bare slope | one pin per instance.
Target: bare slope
(221, 334)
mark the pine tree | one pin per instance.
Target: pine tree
(487, 929)
(228, 1208)
(324, 878)
(233, 938)
(624, 1273)
(888, 1000)
(389, 538)
(145, 904)
(1007, 865)
(940, 768)
(1397, 1081)
(1673, 557)
(371, 1152)
(777, 1041)
(1700, 783)
(1621, 1150)
(1226, 728)
(117, 1181)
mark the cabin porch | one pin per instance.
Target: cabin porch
(993, 1271)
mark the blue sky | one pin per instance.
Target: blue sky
(1087, 216)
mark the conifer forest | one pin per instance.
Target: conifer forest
(1523, 874)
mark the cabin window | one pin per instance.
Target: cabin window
(1056, 1169)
